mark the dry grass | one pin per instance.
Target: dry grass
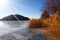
(50, 25)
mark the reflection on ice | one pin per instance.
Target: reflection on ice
(11, 26)
(14, 22)
(14, 30)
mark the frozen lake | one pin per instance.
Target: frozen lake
(19, 30)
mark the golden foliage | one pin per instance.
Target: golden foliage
(53, 27)
(35, 23)
(50, 25)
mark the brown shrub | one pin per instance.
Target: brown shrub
(35, 23)
(50, 25)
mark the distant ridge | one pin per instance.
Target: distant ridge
(15, 17)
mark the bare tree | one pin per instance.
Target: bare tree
(45, 14)
(52, 6)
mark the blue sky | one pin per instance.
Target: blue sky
(28, 8)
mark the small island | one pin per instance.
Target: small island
(15, 17)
